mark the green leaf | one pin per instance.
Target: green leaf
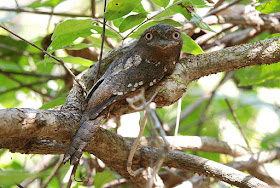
(131, 21)
(117, 22)
(190, 46)
(258, 74)
(103, 177)
(140, 9)
(198, 21)
(119, 8)
(181, 10)
(11, 177)
(197, 3)
(81, 46)
(48, 3)
(274, 83)
(11, 46)
(68, 31)
(77, 60)
(162, 3)
(269, 6)
(108, 32)
(56, 102)
(96, 42)
(9, 65)
(171, 22)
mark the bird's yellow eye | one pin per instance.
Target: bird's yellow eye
(149, 36)
(176, 35)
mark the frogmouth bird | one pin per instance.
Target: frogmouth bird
(153, 57)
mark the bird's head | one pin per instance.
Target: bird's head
(162, 37)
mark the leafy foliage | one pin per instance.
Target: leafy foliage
(68, 31)
(47, 3)
(29, 79)
(119, 8)
(268, 6)
(162, 3)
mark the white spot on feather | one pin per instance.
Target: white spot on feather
(128, 63)
(137, 60)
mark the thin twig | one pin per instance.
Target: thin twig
(93, 8)
(54, 171)
(42, 166)
(50, 55)
(44, 12)
(163, 152)
(30, 86)
(134, 146)
(219, 3)
(32, 74)
(110, 27)
(187, 111)
(221, 8)
(238, 124)
(102, 43)
(23, 85)
(17, 3)
(72, 176)
(212, 94)
(179, 109)
(178, 116)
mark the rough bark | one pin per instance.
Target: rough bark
(105, 145)
(50, 131)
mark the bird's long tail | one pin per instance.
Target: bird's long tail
(81, 139)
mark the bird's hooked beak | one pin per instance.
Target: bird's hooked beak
(163, 44)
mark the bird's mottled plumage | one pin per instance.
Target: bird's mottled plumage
(153, 57)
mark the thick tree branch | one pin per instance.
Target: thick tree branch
(49, 131)
(196, 143)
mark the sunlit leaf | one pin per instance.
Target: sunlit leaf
(47, 3)
(197, 3)
(81, 46)
(108, 32)
(12, 177)
(273, 83)
(181, 10)
(258, 74)
(117, 22)
(11, 46)
(103, 177)
(131, 21)
(140, 9)
(68, 31)
(269, 6)
(119, 8)
(77, 60)
(190, 46)
(162, 3)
